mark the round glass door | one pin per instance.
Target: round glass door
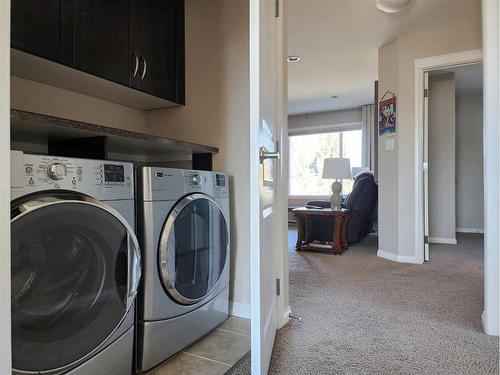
(193, 248)
(69, 283)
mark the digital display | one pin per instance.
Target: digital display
(114, 173)
(220, 180)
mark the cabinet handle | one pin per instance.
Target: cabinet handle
(136, 61)
(144, 67)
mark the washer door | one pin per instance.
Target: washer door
(194, 245)
(75, 269)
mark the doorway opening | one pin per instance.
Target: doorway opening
(453, 153)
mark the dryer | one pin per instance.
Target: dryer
(75, 264)
(183, 229)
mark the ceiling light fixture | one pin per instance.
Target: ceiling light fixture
(293, 59)
(392, 6)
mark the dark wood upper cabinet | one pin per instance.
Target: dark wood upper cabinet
(101, 38)
(135, 43)
(157, 42)
(36, 27)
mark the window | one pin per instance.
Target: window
(307, 153)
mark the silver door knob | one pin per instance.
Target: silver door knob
(264, 154)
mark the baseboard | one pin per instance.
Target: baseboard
(486, 326)
(398, 258)
(469, 230)
(286, 317)
(239, 309)
(443, 240)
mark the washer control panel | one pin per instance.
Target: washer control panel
(93, 177)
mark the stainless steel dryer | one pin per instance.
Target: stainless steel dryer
(183, 229)
(75, 265)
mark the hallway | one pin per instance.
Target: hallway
(362, 314)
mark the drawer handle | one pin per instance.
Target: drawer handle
(144, 67)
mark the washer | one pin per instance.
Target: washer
(75, 265)
(183, 229)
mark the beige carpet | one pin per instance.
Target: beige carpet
(366, 315)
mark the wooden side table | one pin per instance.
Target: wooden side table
(304, 226)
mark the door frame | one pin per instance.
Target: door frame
(422, 66)
(5, 320)
(281, 250)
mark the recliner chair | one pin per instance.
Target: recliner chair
(362, 202)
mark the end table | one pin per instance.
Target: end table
(304, 226)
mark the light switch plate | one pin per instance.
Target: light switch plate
(389, 144)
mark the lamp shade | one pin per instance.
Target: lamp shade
(337, 168)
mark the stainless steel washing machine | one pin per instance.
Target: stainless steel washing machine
(183, 229)
(75, 265)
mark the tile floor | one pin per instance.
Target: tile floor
(213, 354)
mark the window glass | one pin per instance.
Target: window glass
(352, 149)
(307, 153)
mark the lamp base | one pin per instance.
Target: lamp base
(336, 198)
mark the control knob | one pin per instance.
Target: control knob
(56, 171)
(196, 179)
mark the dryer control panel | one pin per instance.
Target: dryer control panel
(170, 184)
(101, 179)
(221, 188)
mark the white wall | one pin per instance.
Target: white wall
(442, 158)
(217, 113)
(450, 26)
(5, 348)
(469, 162)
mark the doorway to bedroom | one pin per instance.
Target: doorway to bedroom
(453, 144)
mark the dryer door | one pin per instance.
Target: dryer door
(75, 269)
(194, 246)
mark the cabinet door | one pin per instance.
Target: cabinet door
(157, 37)
(36, 27)
(101, 38)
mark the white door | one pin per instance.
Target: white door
(426, 166)
(263, 129)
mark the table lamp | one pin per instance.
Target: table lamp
(338, 169)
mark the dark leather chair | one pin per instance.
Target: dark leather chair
(363, 205)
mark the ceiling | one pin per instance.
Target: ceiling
(338, 41)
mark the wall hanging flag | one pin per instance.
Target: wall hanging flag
(387, 115)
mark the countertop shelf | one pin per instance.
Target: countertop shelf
(27, 127)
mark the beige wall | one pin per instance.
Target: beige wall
(388, 159)
(469, 162)
(37, 97)
(442, 158)
(449, 26)
(5, 346)
(217, 113)
(315, 121)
